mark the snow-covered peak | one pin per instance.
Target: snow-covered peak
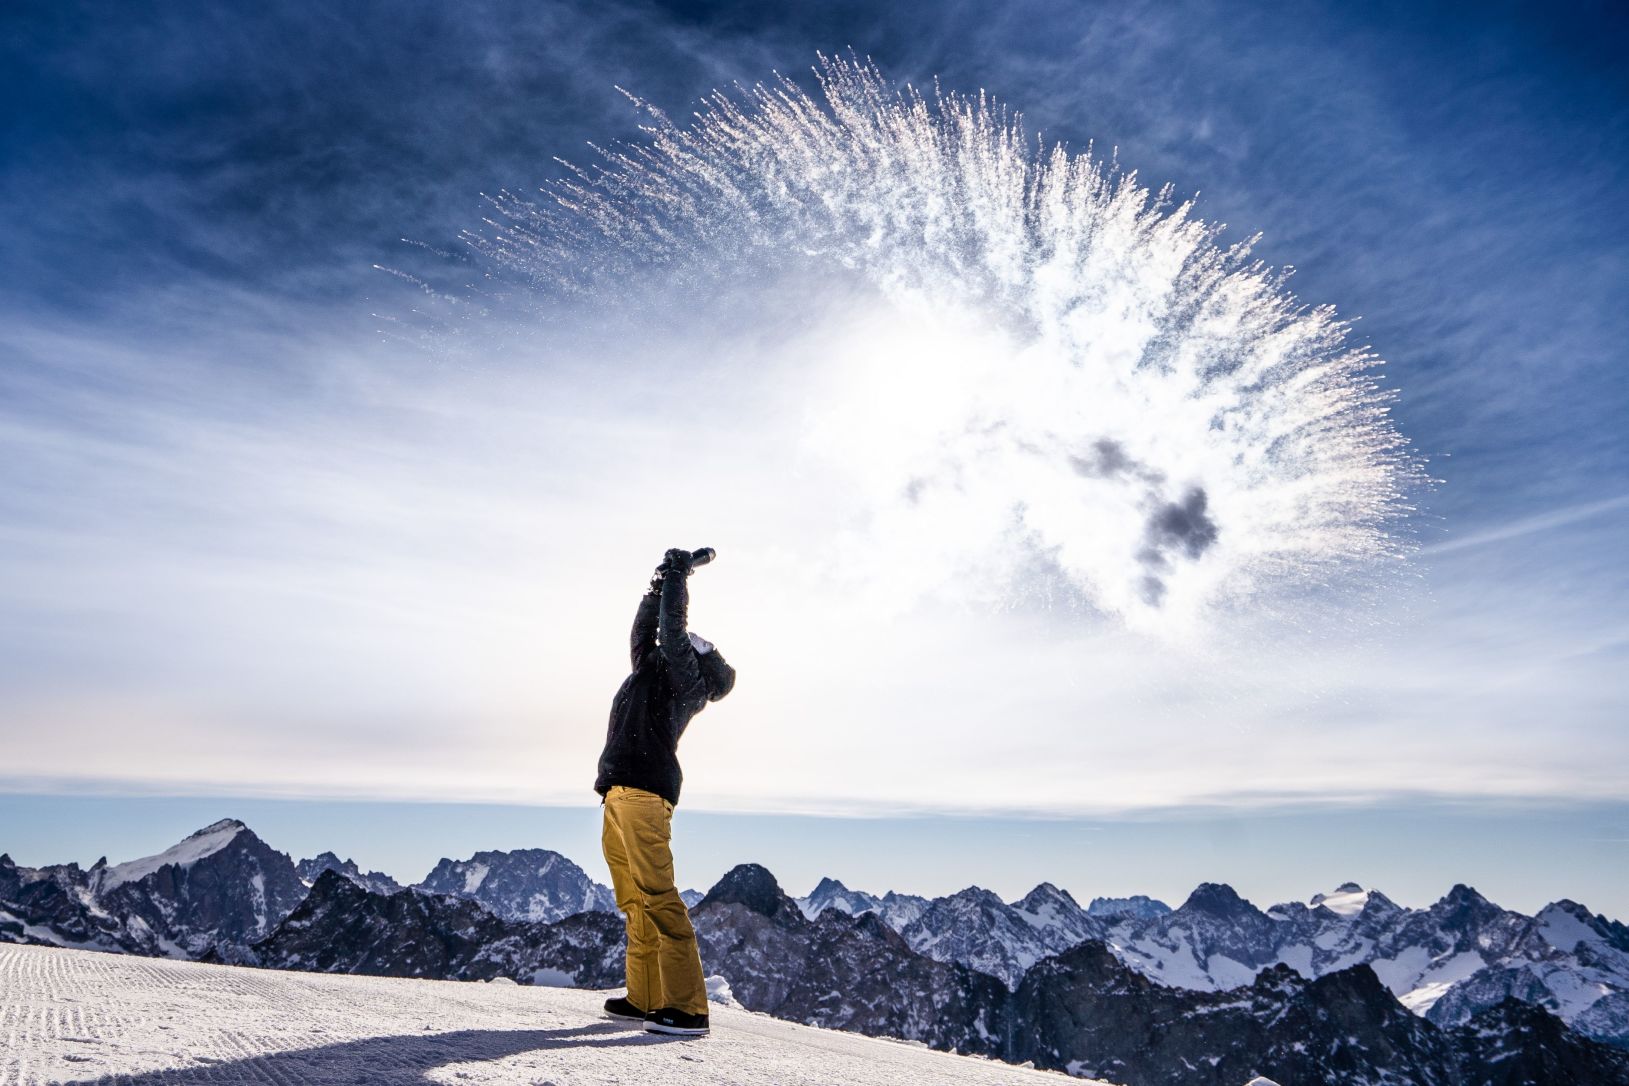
(1043, 895)
(206, 842)
(1046, 906)
(1564, 924)
(1347, 899)
(1137, 907)
(832, 894)
(532, 884)
(977, 895)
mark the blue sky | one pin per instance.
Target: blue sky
(258, 543)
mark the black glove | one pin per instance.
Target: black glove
(656, 578)
(680, 561)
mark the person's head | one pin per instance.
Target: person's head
(718, 675)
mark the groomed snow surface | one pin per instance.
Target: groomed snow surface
(79, 1016)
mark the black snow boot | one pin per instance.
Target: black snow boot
(621, 1008)
(671, 1020)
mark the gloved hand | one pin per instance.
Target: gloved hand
(656, 578)
(680, 561)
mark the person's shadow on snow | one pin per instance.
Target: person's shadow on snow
(387, 1061)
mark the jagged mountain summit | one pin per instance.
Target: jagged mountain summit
(896, 910)
(377, 881)
(532, 884)
(975, 928)
(1058, 917)
(219, 886)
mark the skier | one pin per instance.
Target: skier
(675, 674)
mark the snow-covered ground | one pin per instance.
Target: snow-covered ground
(77, 1016)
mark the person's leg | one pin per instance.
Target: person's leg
(643, 969)
(647, 825)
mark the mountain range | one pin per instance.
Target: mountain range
(1129, 989)
(1447, 962)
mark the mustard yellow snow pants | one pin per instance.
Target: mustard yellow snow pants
(664, 966)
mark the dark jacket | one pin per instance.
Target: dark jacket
(655, 703)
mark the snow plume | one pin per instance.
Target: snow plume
(1023, 361)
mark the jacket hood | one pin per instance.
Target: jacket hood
(716, 674)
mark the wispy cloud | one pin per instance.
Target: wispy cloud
(1543, 522)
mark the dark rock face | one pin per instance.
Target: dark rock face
(1488, 988)
(1606, 1020)
(343, 928)
(1517, 1044)
(53, 906)
(220, 885)
(530, 884)
(377, 881)
(753, 887)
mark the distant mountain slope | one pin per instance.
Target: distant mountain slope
(896, 910)
(531, 884)
(977, 929)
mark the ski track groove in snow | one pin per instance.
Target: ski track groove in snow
(74, 1016)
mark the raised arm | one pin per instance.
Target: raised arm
(672, 623)
(643, 636)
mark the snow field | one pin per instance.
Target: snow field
(78, 1016)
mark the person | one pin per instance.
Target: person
(675, 674)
